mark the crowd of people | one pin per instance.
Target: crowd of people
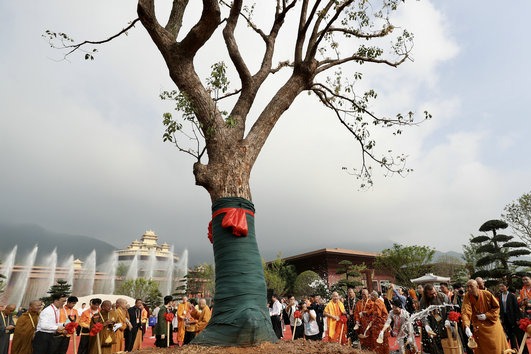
(484, 321)
(480, 320)
(102, 327)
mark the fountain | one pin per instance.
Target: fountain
(9, 263)
(132, 272)
(69, 266)
(51, 263)
(27, 280)
(110, 266)
(169, 275)
(182, 265)
(152, 263)
(87, 275)
(7, 269)
(21, 283)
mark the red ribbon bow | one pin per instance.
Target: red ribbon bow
(523, 323)
(234, 218)
(70, 327)
(169, 316)
(297, 314)
(96, 329)
(454, 316)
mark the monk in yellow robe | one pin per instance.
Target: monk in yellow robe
(183, 313)
(202, 315)
(482, 310)
(25, 329)
(106, 337)
(333, 312)
(122, 317)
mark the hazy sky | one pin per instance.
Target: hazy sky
(82, 152)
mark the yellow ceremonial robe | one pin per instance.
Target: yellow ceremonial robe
(334, 309)
(106, 335)
(24, 331)
(183, 314)
(202, 317)
(489, 333)
(121, 317)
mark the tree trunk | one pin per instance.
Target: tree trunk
(240, 316)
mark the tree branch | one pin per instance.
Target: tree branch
(175, 21)
(77, 46)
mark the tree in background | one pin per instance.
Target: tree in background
(231, 125)
(307, 283)
(121, 270)
(140, 288)
(180, 289)
(279, 276)
(453, 267)
(471, 257)
(352, 277)
(405, 262)
(62, 287)
(498, 250)
(518, 216)
(200, 281)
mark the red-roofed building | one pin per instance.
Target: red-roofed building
(325, 262)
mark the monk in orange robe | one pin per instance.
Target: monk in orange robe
(183, 313)
(362, 318)
(378, 315)
(482, 310)
(333, 311)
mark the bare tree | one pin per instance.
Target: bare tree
(518, 216)
(328, 35)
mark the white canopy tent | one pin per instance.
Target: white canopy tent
(430, 278)
(103, 297)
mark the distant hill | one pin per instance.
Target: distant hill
(26, 236)
(441, 255)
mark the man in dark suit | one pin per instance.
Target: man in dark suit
(135, 317)
(510, 315)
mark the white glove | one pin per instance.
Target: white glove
(482, 317)
(357, 326)
(468, 332)
(380, 338)
(162, 336)
(361, 314)
(447, 324)
(428, 329)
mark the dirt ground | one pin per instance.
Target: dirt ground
(285, 347)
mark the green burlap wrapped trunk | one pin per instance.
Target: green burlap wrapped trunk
(240, 316)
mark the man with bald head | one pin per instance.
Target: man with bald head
(105, 337)
(122, 317)
(482, 310)
(333, 311)
(378, 316)
(202, 315)
(7, 326)
(362, 318)
(26, 324)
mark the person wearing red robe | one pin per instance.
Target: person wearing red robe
(378, 316)
(362, 318)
